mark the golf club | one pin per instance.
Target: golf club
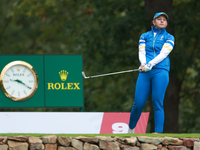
(107, 74)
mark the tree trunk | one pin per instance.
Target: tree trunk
(171, 105)
(171, 102)
(155, 6)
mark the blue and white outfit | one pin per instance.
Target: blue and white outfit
(154, 48)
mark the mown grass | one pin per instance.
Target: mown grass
(181, 135)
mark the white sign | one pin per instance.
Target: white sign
(69, 122)
(50, 122)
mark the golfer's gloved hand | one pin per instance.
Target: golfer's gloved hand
(148, 67)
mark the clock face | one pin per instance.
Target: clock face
(19, 80)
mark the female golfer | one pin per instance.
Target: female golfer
(154, 48)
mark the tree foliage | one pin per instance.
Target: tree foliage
(186, 61)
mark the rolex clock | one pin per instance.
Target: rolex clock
(18, 80)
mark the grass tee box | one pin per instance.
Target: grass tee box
(60, 82)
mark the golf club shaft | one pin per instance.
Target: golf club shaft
(107, 74)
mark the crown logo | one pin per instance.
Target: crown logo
(63, 75)
(18, 68)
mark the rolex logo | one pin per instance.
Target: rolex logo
(63, 86)
(63, 75)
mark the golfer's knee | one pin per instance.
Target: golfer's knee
(138, 107)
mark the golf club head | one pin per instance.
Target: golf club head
(83, 73)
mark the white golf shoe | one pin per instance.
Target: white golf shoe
(131, 130)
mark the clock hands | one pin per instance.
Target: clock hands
(19, 81)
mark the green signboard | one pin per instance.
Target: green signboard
(41, 81)
(63, 81)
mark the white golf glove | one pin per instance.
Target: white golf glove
(148, 67)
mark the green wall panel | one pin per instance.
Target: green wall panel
(63, 93)
(37, 100)
(60, 81)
